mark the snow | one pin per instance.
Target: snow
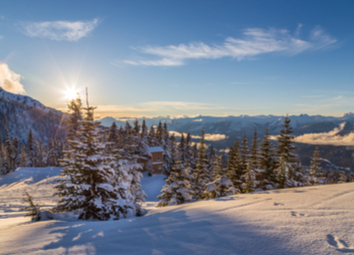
(155, 149)
(309, 220)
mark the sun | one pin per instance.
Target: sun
(71, 93)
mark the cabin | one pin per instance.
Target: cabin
(152, 162)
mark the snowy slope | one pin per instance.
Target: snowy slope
(310, 220)
(24, 113)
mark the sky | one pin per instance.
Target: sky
(157, 58)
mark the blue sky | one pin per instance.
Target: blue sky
(148, 58)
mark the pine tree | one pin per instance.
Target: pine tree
(290, 159)
(23, 156)
(176, 191)
(234, 169)
(314, 168)
(152, 137)
(253, 158)
(267, 178)
(200, 174)
(342, 177)
(167, 155)
(136, 127)
(250, 183)
(32, 150)
(74, 118)
(113, 136)
(244, 153)
(159, 134)
(181, 150)
(221, 184)
(33, 210)
(89, 183)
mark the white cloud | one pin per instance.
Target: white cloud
(328, 138)
(254, 41)
(177, 105)
(10, 81)
(59, 30)
(207, 137)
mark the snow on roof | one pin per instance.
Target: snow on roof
(155, 149)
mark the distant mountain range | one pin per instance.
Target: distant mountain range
(23, 113)
(333, 135)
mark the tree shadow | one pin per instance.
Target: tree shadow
(172, 232)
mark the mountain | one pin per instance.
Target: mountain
(22, 113)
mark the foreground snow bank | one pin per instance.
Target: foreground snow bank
(310, 220)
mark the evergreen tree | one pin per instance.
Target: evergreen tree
(181, 150)
(176, 190)
(167, 155)
(159, 134)
(136, 127)
(342, 177)
(250, 183)
(221, 185)
(113, 136)
(234, 169)
(188, 149)
(89, 183)
(23, 156)
(200, 174)
(152, 137)
(267, 178)
(253, 158)
(314, 168)
(290, 159)
(33, 210)
(32, 151)
(74, 118)
(244, 153)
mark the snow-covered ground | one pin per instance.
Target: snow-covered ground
(310, 220)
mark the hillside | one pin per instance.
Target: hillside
(310, 220)
(24, 113)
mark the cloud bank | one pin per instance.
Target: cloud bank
(254, 41)
(207, 137)
(329, 138)
(10, 81)
(59, 30)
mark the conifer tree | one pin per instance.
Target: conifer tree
(221, 184)
(113, 136)
(314, 168)
(173, 149)
(89, 183)
(74, 118)
(253, 158)
(188, 149)
(159, 134)
(33, 210)
(200, 175)
(167, 155)
(181, 150)
(136, 127)
(244, 153)
(234, 169)
(342, 177)
(23, 156)
(250, 183)
(290, 159)
(176, 191)
(267, 178)
(32, 151)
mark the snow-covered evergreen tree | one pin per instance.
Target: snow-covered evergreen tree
(342, 177)
(267, 178)
(89, 182)
(314, 169)
(23, 162)
(176, 191)
(32, 150)
(181, 150)
(201, 174)
(290, 159)
(250, 182)
(221, 184)
(234, 169)
(32, 209)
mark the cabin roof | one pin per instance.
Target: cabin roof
(155, 149)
